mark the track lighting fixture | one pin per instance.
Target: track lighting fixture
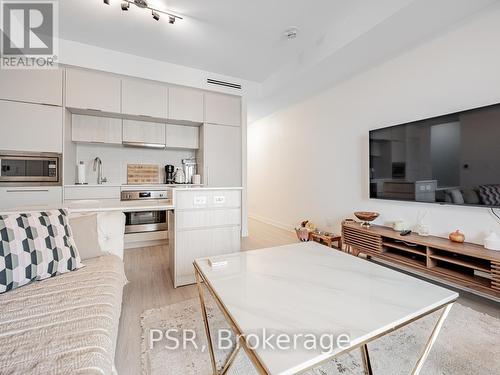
(143, 4)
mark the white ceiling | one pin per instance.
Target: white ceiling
(239, 38)
(244, 38)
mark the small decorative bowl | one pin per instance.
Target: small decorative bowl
(366, 217)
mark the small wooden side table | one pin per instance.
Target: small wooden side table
(326, 240)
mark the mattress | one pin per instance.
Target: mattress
(66, 324)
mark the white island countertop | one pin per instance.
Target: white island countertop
(99, 205)
(309, 288)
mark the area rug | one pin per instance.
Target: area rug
(469, 343)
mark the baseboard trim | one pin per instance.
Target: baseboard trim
(272, 222)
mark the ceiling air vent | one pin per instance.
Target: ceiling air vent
(222, 83)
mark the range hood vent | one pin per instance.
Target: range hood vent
(222, 83)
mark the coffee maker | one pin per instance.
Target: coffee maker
(169, 174)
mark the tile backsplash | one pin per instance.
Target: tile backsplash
(115, 160)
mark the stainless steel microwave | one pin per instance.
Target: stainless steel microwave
(29, 168)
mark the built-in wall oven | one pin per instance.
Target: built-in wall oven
(29, 168)
(146, 221)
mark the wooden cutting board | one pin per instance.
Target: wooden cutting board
(143, 174)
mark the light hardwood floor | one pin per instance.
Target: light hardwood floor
(150, 286)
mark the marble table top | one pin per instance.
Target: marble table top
(307, 288)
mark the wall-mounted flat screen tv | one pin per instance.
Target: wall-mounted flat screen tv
(451, 159)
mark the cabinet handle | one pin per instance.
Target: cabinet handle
(208, 177)
(28, 191)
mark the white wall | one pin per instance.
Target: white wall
(311, 160)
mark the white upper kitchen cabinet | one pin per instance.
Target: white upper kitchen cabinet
(182, 136)
(222, 109)
(30, 127)
(220, 155)
(42, 86)
(140, 98)
(185, 104)
(95, 129)
(142, 133)
(89, 90)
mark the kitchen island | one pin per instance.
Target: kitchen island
(200, 222)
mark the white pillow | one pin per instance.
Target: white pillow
(84, 229)
(110, 231)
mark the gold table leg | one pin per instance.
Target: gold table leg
(431, 340)
(366, 360)
(232, 356)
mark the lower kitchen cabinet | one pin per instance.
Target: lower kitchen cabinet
(205, 223)
(30, 197)
(91, 192)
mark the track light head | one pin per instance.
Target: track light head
(171, 20)
(156, 16)
(125, 5)
(106, 2)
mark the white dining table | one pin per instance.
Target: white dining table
(309, 289)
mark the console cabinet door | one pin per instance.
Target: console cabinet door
(96, 129)
(92, 91)
(144, 99)
(30, 127)
(222, 109)
(221, 155)
(185, 104)
(42, 86)
(181, 136)
(143, 133)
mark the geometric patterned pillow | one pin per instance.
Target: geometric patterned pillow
(490, 194)
(35, 246)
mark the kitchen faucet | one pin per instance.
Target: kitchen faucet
(98, 166)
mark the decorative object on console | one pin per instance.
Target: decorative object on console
(492, 242)
(35, 246)
(422, 228)
(366, 217)
(399, 226)
(457, 236)
(143, 174)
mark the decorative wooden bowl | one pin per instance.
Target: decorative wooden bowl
(366, 217)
